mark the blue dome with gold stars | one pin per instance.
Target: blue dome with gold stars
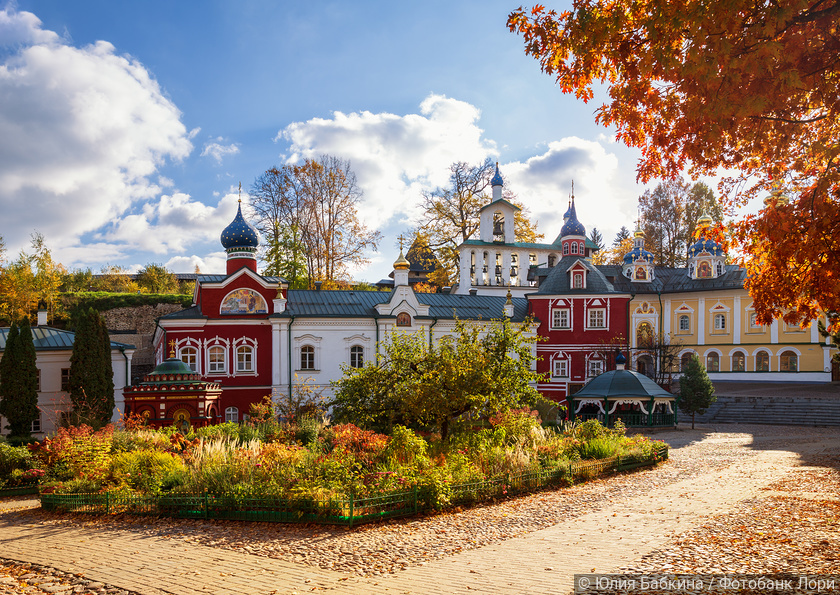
(239, 234)
(497, 179)
(572, 227)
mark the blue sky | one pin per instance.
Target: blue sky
(126, 127)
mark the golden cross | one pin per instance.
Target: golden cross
(240, 192)
(172, 344)
(401, 239)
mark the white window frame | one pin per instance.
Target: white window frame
(191, 352)
(242, 350)
(357, 356)
(36, 423)
(719, 319)
(214, 367)
(687, 319)
(557, 318)
(595, 368)
(574, 248)
(232, 414)
(311, 364)
(578, 281)
(560, 368)
(594, 312)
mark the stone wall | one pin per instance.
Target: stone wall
(136, 326)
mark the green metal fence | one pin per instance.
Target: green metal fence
(349, 510)
(23, 490)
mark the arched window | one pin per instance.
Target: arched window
(704, 270)
(216, 363)
(685, 322)
(403, 319)
(684, 361)
(189, 355)
(720, 269)
(574, 247)
(713, 362)
(739, 362)
(565, 248)
(788, 361)
(720, 322)
(644, 335)
(232, 414)
(577, 283)
(762, 361)
(244, 358)
(307, 357)
(581, 248)
(552, 259)
(357, 356)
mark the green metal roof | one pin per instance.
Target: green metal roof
(618, 384)
(47, 338)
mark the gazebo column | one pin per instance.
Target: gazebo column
(650, 413)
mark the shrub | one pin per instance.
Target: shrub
(14, 458)
(602, 447)
(148, 471)
(77, 452)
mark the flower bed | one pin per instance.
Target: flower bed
(339, 511)
(312, 472)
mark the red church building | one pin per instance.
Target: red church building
(583, 317)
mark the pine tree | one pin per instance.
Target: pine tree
(697, 393)
(19, 381)
(91, 374)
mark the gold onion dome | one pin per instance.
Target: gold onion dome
(401, 264)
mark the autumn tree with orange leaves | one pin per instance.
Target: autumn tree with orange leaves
(699, 85)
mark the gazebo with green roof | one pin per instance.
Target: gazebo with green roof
(629, 396)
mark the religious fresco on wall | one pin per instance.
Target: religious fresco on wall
(244, 301)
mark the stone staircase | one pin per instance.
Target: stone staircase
(771, 409)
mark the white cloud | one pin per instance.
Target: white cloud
(395, 157)
(23, 28)
(210, 264)
(218, 151)
(84, 132)
(544, 183)
(173, 223)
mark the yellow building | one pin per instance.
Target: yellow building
(704, 309)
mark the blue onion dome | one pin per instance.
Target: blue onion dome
(704, 245)
(620, 359)
(239, 234)
(638, 253)
(497, 179)
(572, 227)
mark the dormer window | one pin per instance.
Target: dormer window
(577, 280)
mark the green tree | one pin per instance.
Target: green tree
(91, 373)
(156, 278)
(309, 212)
(622, 235)
(19, 381)
(697, 393)
(597, 238)
(472, 372)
